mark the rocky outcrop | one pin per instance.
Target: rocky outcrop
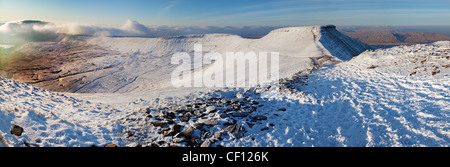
(339, 45)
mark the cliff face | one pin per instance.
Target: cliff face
(339, 45)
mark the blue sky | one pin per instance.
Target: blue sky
(231, 12)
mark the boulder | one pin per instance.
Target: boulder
(187, 131)
(211, 122)
(159, 123)
(210, 109)
(16, 130)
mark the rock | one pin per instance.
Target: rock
(206, 143)
(159, 123)
(198, 113)
(111, 145)
(148, 110)
(169, 115)
(238, 132)
(372, 67)
(179, 139)
(210, 109)
(259, 117)
(165, 128)
(184, 119)
(239, 95)
(253, 102)
(236, 106)
(282, 109)
(223, 101)
(211, 122)
(176, 128)
(237, 135)
(218, 134)
(230, 128)
(198, 125)
(265, 128)
(187, 131)
(240, 114)
(234, 101)
(16, 130)
(206, 134)
(168, 133)
(223, 115)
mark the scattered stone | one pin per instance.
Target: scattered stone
(206, 134)
(179, 139)
(165, 128)
(111, 145)
(259, 117)
(265, 128)
(229, 128)
(217, 135)
(184, 119)
(236, 106)
(206, 143)
(16, 130)
(372, 67)
(162, 142)
(253, 102)
(168, 133)
(198, 125)
(240, 114)
(210, 109)
(211, 122)
(154, 145)
(223, 115)
(198, 114)
(176, 128)
(159, 123)
(187, 131)
(130, 135)
(169, 115)
(282, 109)
(237, 135)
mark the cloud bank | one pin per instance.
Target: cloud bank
(35, 30)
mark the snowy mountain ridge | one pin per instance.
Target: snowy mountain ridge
(329, 94)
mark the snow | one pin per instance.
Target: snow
(387, 97)
(52, 120)
(350, 105)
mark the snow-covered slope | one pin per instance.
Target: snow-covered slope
(383, 98)
(387, 97)
(139, 67)
(339, 45)
(296, 46)
(49, 119)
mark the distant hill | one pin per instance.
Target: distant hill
(388, 35)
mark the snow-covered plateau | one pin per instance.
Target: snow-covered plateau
(333, 91)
